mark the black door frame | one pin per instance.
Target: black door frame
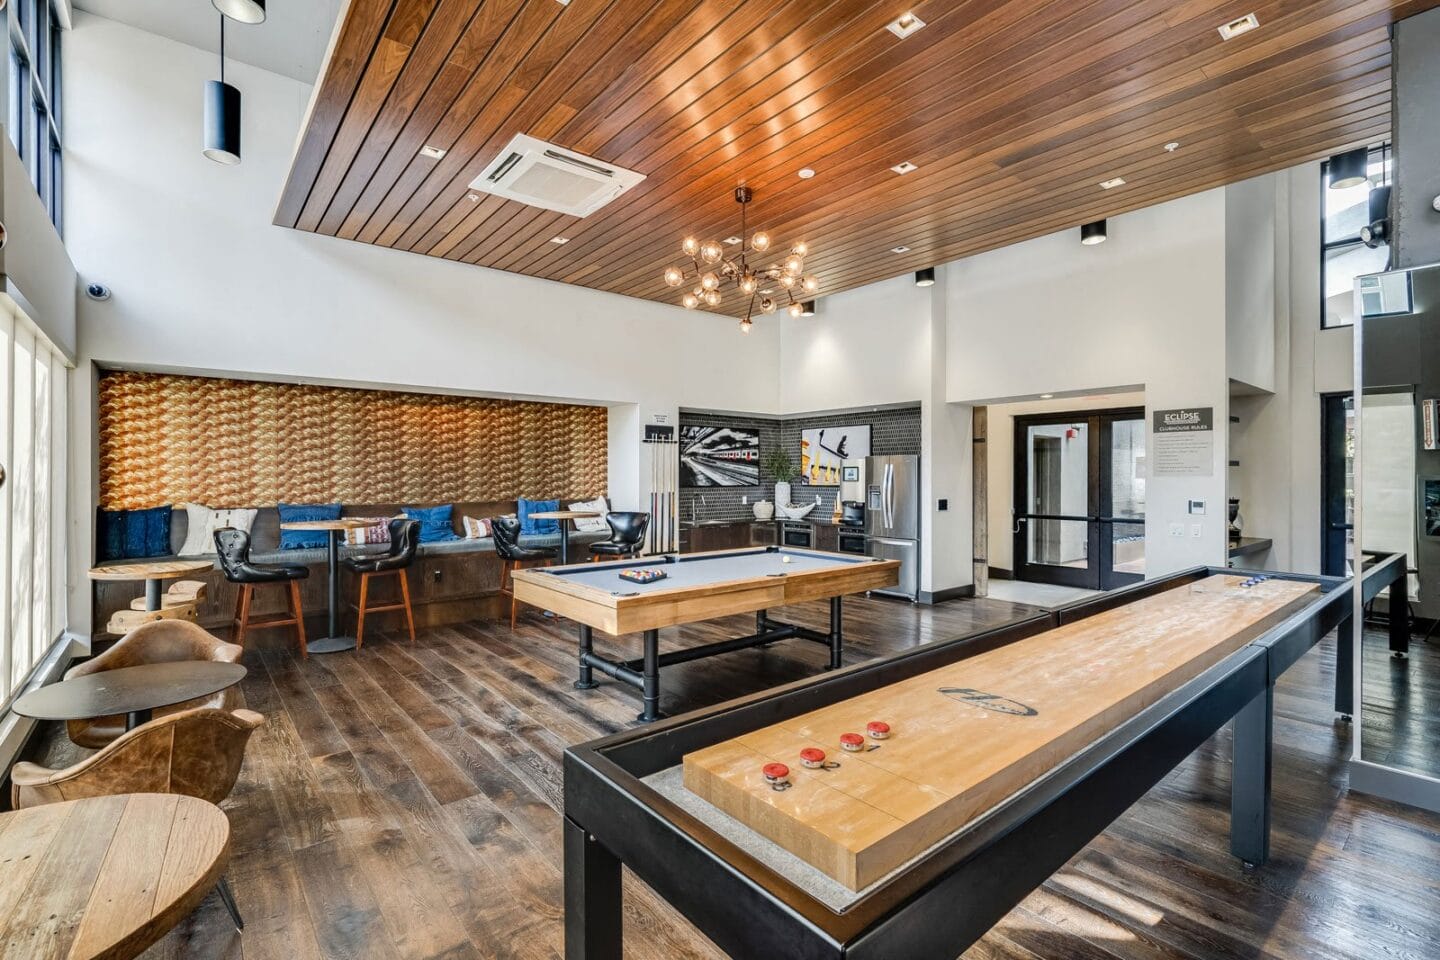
(1335, 520)
(1099, 573)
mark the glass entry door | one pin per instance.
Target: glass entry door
(1080, 498)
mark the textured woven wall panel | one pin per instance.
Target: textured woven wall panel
(231, 443)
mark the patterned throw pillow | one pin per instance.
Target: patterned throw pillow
(592, 524)
(202, 522)
(132, 534)
(528, 507)
(300, 512)
(377, 532)
(476, 528)
(435, 524)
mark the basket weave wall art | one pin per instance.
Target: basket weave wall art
(240, 443)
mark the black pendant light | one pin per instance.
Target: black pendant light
(222, 114)
(925, 277)
(243, 11)
(1349, 169)
(1092, 233)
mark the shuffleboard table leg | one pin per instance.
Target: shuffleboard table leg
(593, 916)
(650, 691)
(837, 634)
(1250, 780)
(1400, 617)
(1345, 668)
(587, 647)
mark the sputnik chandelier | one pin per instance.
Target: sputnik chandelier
(765, 287)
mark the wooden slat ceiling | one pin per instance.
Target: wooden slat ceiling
(1013, 110)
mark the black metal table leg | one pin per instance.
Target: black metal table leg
(651, 689)
(1399, 619)
(1250, 780)
(837, 637)
(228, 898)
(134, 718)
(587, 675)
(333, 641)
(152, 594)
(593, 929)
(1345, 669)
(564, 527)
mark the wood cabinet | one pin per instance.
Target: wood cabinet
(826, 536)
(728, 536)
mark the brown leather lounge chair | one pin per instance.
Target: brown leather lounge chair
(160, 641)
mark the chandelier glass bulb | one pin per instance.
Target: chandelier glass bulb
(787, 281)
(767, 305)
(691, 246)
(794, 265)
(674, 276)
(745, 325)
(810, 284)
(711, 252)
(711, 281)
(796, 310)
(712, 298)
(800, 249)
(748, 282)
(760, 242)
(690, 301)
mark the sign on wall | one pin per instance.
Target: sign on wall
(1184, 442)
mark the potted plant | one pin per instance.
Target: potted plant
(782, 470)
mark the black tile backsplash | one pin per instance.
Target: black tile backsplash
(892, 431)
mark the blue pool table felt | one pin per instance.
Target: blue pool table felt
(698, 571)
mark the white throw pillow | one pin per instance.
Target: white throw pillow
(202, 522)
(592, 524)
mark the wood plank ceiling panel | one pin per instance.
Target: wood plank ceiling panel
(1013, 110)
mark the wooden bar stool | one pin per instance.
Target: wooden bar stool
(506, 531)
(233, 547)
(404, 539)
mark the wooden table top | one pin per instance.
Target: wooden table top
(157, 570)
(127, 689)
(344, 523)
(104, 878)
(565, 514)
(968, 735)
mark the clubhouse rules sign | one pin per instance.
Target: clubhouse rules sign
(1183, 442)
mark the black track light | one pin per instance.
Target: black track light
(925, 277)
(1092, 233)
(1349, 169)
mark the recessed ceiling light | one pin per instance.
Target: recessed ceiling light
(900, 249)
(1172, 146)
(767, 292)
(561, 241)
(434, 153)
(905, 26)
(732, 240)
(1047, 396)
(905, 167)
(806, 173)
(1233, 29)
(1112, 183)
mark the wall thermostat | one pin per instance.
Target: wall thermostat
(1197, 507)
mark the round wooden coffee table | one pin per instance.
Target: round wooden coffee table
(105, 878)
(563, 519)
(153, 573)
(335, 641)
(134, 691)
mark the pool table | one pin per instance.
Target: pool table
(697, 586)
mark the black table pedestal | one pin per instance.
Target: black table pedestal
(333, 641)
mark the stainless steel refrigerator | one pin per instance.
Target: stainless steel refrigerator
(892, 518)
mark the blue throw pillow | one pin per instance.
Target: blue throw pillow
(132, 534)
(435, 525)
(527, 507)
(298, 512)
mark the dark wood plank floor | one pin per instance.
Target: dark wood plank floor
(402, 802)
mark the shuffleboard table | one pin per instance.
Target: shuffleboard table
(1006, 752)
(695, 587)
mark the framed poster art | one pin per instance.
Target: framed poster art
(719, 456)
(822, 450)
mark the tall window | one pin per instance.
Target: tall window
(34, 109)
(1343, 255)
(33, 380)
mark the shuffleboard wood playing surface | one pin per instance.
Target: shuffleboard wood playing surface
(968, 735)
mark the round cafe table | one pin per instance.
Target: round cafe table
(563, 519)
(153, 573)
(107, 877)
(134, 691)
(334, 641)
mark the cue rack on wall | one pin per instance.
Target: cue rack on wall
(663, 536)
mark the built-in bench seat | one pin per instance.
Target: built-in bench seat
(450, 581)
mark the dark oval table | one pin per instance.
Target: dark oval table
(133, 691)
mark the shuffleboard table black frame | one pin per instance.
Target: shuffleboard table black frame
(940, 904)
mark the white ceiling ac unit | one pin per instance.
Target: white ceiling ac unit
(544, 175)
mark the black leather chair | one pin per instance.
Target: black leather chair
(404, 539)
(627, 535)
(506, 532)
(233, 547)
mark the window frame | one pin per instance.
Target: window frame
(35, 70)
(1347, 243)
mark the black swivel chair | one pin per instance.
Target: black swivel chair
(404, 539)
(233, 547)
(627, 535)
(506, 531)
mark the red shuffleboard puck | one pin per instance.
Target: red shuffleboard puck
(812, 757)
(878, 729)
(852, 742)
(776, 773)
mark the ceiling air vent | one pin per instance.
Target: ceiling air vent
(543, 175)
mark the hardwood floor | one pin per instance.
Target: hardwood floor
(402, 802)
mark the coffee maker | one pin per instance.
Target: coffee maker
(852, 492)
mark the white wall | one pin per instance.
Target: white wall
(1250, 280)
(1144, 309)
(37, 270)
